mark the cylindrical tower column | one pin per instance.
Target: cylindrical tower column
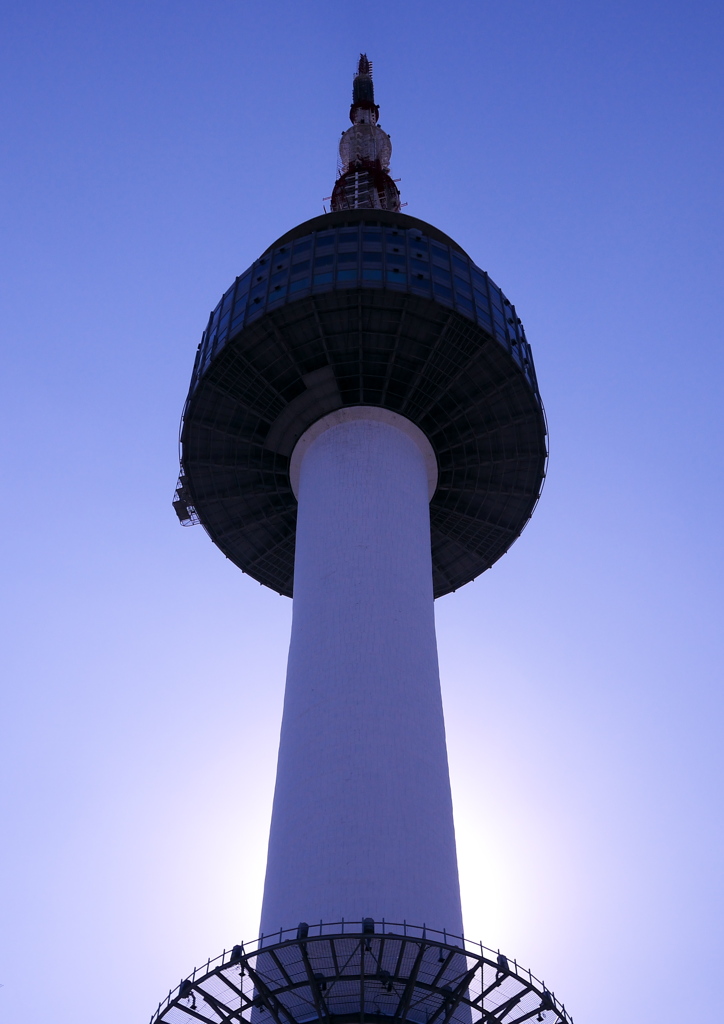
(362, 821)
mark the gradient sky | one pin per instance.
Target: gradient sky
(151, 151)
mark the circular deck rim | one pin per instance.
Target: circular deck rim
(385, 218)
(435, 975)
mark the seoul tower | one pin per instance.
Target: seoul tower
(363, 432)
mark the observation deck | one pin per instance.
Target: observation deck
(357, 972)
(362, 307)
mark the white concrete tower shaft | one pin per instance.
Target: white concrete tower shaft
(362, 820)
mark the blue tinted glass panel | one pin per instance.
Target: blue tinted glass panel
(456, 291)
(484, 319)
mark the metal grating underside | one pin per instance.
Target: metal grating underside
(405, 974)
(364, 347)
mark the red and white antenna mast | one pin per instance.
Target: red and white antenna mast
(364, 182)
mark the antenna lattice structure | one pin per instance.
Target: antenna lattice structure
(364, 182)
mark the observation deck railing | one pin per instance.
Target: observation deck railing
(346, 972)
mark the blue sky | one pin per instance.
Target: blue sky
(150, 152)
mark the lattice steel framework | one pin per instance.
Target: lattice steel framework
(354, 972)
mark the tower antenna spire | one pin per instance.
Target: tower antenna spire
(364, 181)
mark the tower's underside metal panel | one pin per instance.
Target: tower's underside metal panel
(363, 336)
